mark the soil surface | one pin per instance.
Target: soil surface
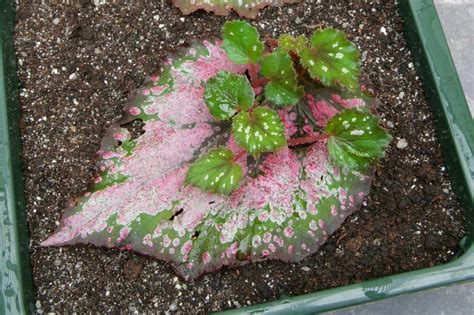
(78, 62)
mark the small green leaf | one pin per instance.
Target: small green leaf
(259, 131)
(242, 42)
(332, 59)
(225, 92)
(288, 42)
(356, 139)
(215, 172)
(283, 88)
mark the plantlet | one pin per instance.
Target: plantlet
(354, 138)
(246, 155)
(246, 8)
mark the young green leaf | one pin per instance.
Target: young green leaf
(356, 139)
(332, 59)
(259, 131)
(225, 92)
(288, 42)
(283, 88)
(215, 172)
(242, 42)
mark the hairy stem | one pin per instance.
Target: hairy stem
(307, 139)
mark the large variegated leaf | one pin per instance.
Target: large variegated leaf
(138, 200)
(246, 8)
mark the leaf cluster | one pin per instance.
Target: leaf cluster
(355, 139)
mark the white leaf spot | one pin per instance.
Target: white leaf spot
(357, 132)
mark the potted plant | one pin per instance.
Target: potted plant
(234, 168)
(138, 270)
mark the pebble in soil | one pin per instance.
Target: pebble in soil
(77, 63)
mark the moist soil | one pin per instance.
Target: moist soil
(78, 62)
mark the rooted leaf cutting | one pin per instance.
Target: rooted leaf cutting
(242, 158)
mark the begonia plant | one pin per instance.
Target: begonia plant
(251, 151)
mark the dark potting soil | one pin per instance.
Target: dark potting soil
(78, 62)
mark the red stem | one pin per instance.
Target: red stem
(291, 143)
(255, 80)
(253, 72)
(239, 155)
(259, 82)
(307, 139)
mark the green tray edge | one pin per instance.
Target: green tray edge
(426, 39)
(15, 273)
(455, 126)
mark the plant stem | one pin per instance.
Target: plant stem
(253, 72)
(259, 82)
(239, 155)
(272, 43)
(307, 139)
(255, 80)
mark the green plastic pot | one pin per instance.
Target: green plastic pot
(455, 128)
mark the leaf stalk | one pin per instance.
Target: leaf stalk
(308, 139)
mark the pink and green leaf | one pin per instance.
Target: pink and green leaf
(298, 200)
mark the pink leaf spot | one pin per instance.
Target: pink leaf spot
(289, 231)
(134, 111)
(291, 249)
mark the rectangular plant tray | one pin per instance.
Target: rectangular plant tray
(15, 276)
(455, 128)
